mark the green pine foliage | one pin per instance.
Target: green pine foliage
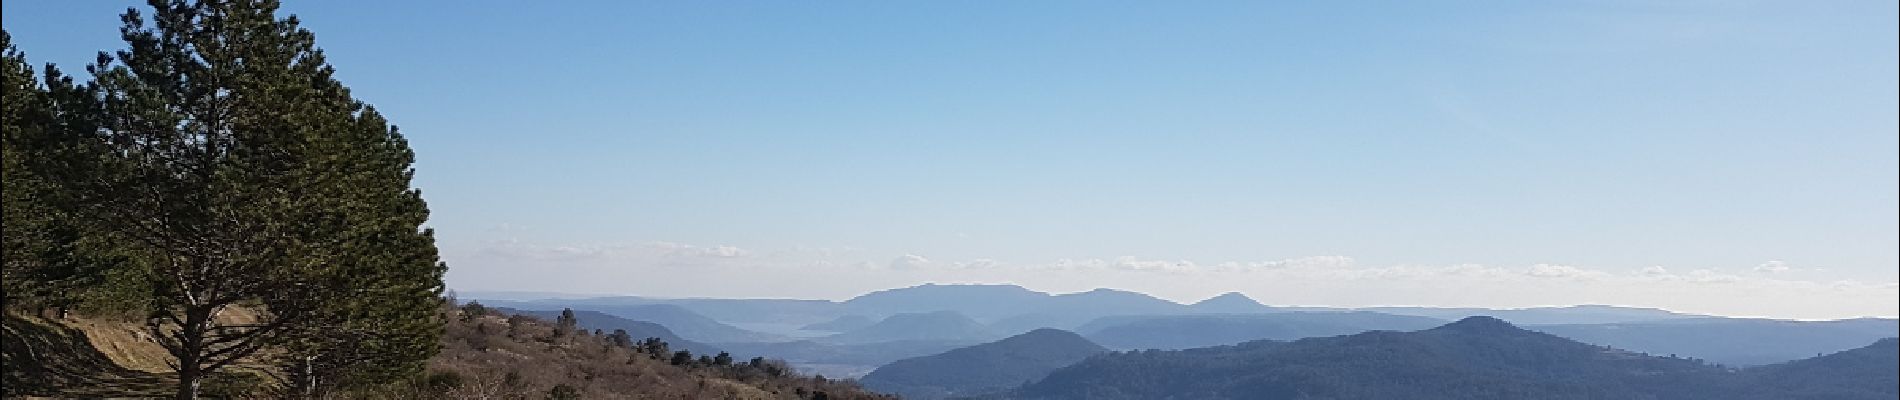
(216, 178)
(51, 264)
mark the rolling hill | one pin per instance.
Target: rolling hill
(842, 324)
(1869, 372)
(1732, 341)
(687, 323)
(1474, 358)
(1168, 332)
(985, 368)
(1580, 314)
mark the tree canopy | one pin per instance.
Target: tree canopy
(217, 171)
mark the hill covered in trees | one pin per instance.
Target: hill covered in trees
(1869, 372)
(1578, 314)
(984, 368)
(1170, 332)
(1474, 358)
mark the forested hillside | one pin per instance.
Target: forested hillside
(1732, 341)
(1170, 332)
(1869, 372)
(984, 368)
(1474, 358)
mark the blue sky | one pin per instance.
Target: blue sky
(1725, 156)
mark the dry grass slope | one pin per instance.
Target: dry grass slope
(497, 356)
(45, 358)
(489, 355)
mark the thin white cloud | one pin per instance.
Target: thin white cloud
(1315, 262)
(521, 250)
(1711, 276)
(1128, 263)
(1564, 271)
(687, 250)
(910, 262)
(980, 263)
(1773, 266)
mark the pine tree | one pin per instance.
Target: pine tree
(473, 309)
(241, 175)
(49, 261)
(653, 347)
(563, 392)
(389, 323)
(565, 324)
(26, 119)
(621, 339)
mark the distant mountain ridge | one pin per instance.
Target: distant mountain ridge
(1013, 309)
(938, 325)
(841, 324)
(975, 301)
(995, 302)
(681, 321)
(1229, 303)
(835, 336)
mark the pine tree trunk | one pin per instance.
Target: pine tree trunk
(310, 377)
(187, 381)
(191, 339)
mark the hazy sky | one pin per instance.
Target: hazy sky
(1732, 157)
